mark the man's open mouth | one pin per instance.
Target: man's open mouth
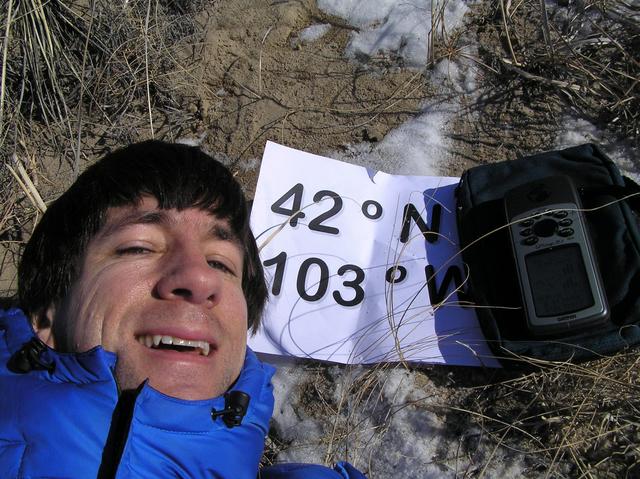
(157, 341)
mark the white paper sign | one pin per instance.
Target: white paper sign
(362, 266)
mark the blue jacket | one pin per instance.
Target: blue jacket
(70, 421)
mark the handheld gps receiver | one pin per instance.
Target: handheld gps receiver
(559, 279)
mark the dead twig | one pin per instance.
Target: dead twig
(27, 185)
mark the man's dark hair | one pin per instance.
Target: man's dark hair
(177, 176)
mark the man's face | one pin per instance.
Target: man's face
(151, 277)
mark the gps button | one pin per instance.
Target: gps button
(545, 227)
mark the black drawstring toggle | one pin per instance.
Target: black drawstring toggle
(28, 358)
(235, 407)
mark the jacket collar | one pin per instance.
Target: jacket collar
(98, 365)
(169, 413)
(95, 365)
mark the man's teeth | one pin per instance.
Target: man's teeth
(153, 341)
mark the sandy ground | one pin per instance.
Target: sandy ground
(267, 84)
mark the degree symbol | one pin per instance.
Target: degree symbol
(396, 274)
(372, 204)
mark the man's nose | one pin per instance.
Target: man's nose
(187, 276)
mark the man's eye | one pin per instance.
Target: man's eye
(215, 264)
(132, 250)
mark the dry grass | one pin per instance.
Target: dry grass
(556, 420)
(587, 52)
(578, 420)
(71, 66)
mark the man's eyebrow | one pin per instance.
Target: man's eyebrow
(219, 231)
(223, 232)
(133, 218)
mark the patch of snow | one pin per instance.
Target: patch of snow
(290, 420)
(458, 76)
(402, 28)
(191, 141)
(421, 145)
(387, 421)
(359, 13)
(577, 131)
(417, 147)
(314, 32)
(249, 164)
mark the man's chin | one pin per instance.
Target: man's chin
(186, 388)
(177, 375)
(192, 387)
